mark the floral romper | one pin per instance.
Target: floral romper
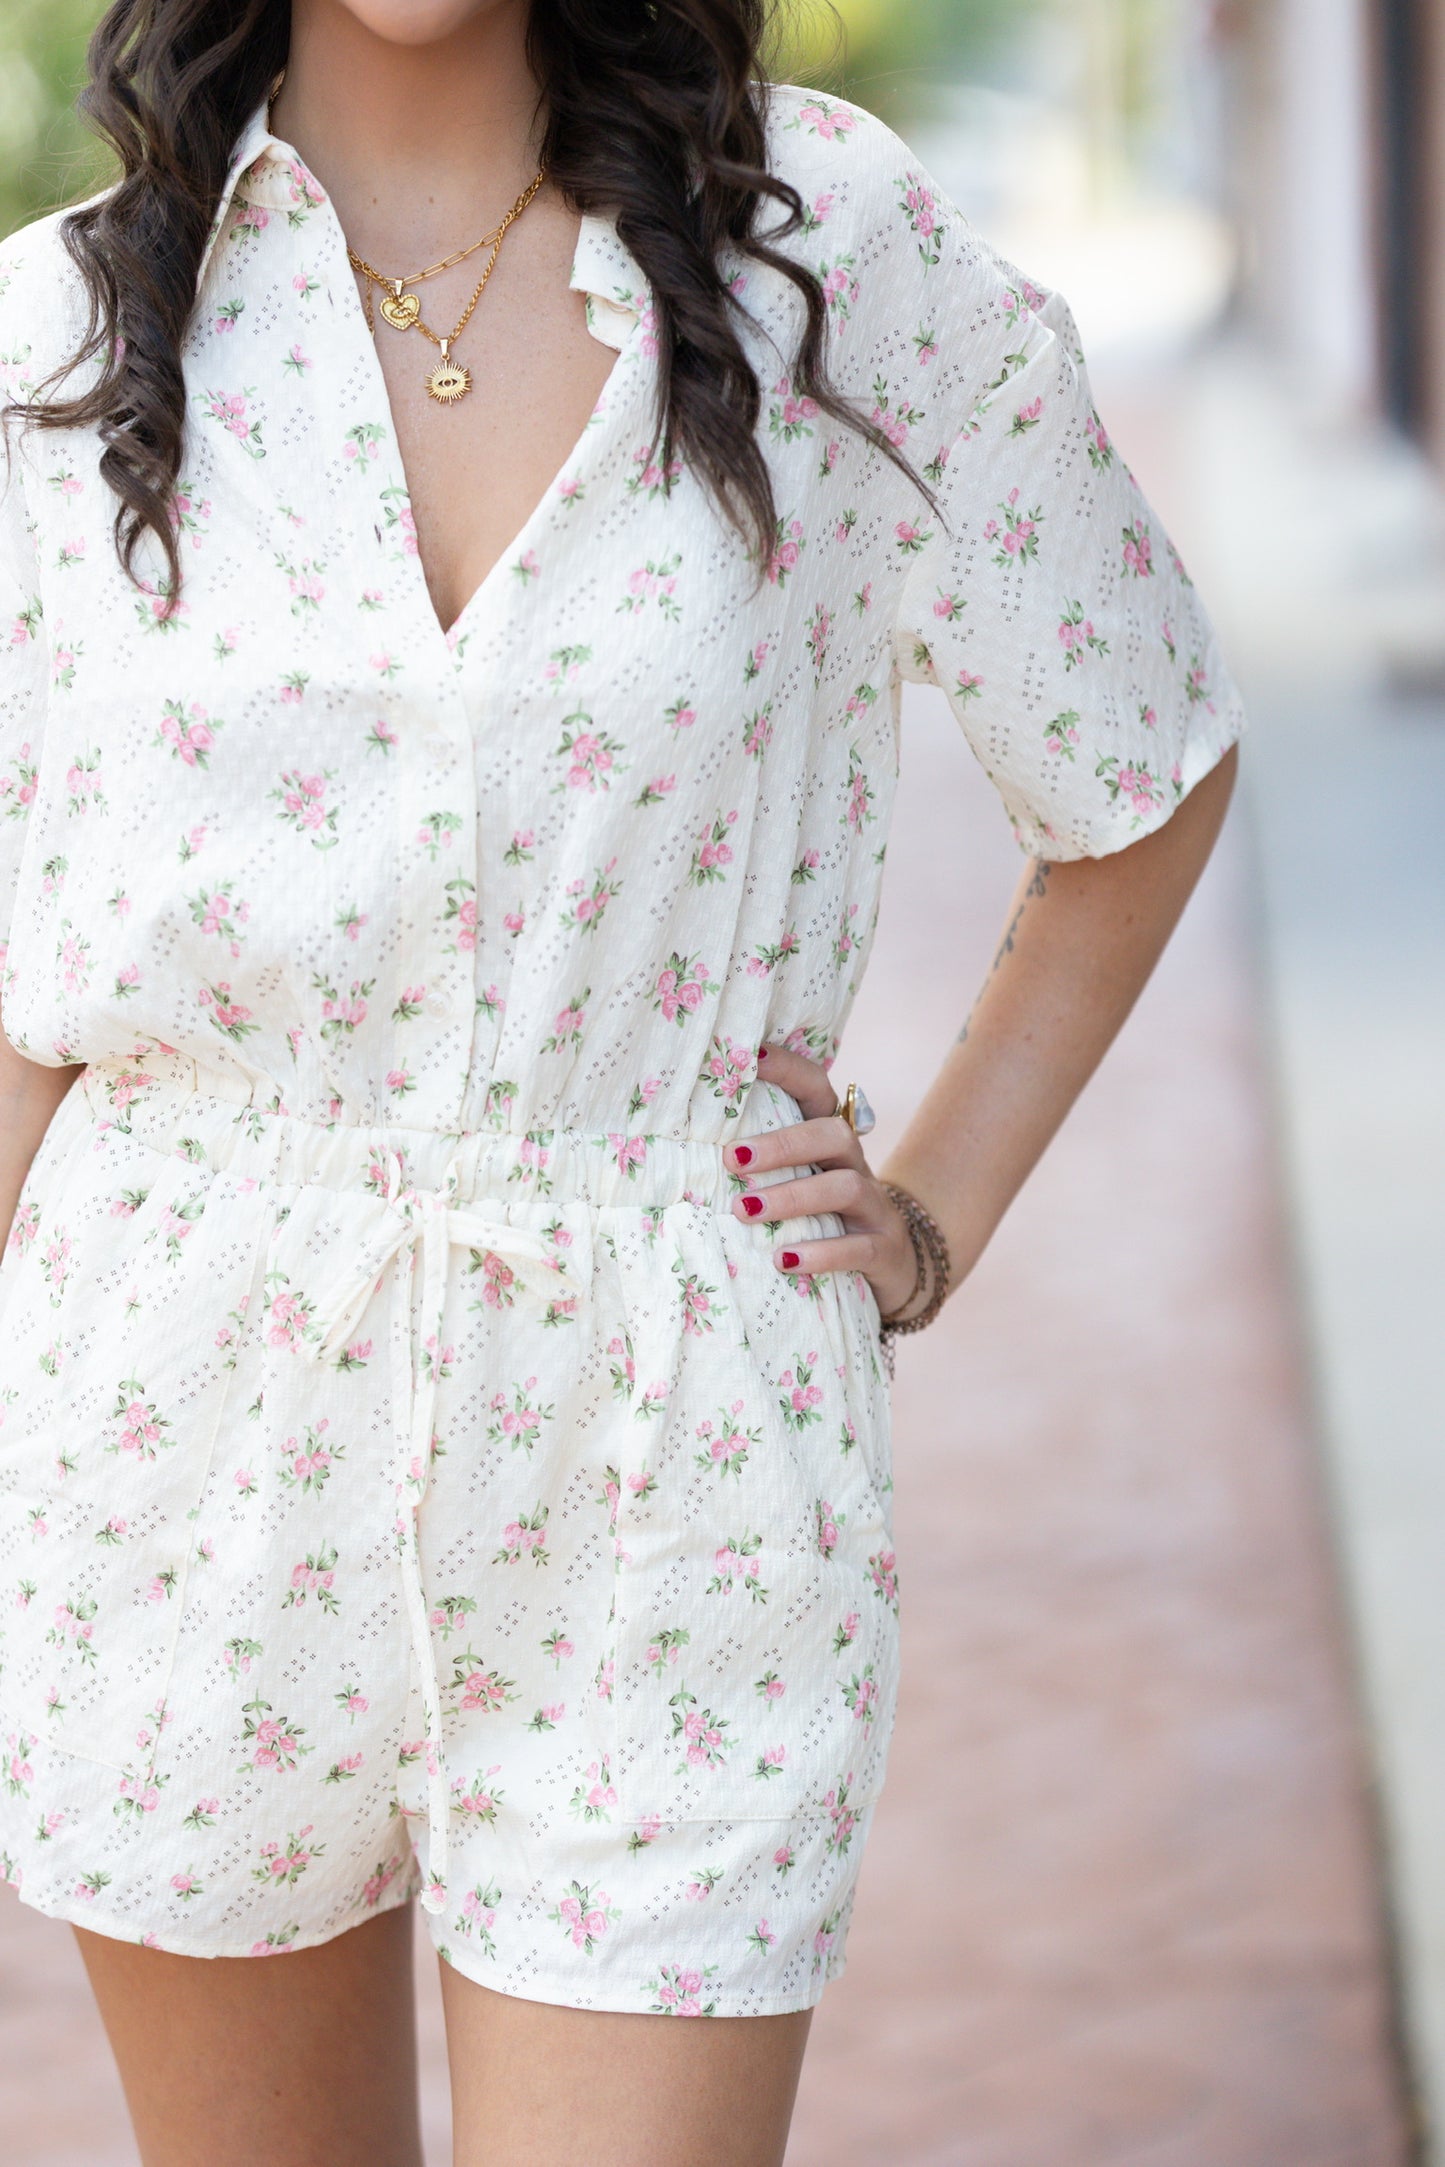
(414, 1480)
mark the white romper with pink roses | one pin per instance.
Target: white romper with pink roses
(413, 1478)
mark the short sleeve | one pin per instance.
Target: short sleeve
(22, 683)
(1046, 600)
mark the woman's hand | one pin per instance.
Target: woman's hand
(875, 1240)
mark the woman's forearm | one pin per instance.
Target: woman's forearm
(29, 1096)
(1081, 941)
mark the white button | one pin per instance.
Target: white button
(437, 1004)
(436, 744)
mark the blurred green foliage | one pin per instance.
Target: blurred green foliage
(884, 53)
(47, 155)
(890, 54)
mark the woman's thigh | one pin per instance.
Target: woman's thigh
(534, 2085)
(301, 2060)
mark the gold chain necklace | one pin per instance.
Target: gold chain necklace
(448, 381)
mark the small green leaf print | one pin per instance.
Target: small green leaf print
(1139, 551)
(304, 582)
(584, 1914)
(307, 1459)
(840, 286)
(677, 1991)
(587, 901)
(283, 1864)
(595, 1796)
(1101, 451)
(1078, 638)
(895, 416)
(232, 411)
(219, 916)
(920, 209)
(820, 116)
(1141, 790)
(591, 755)
(83, 793)
(713, 853)
(524, 1537)
(483, 1690)
(274, 1741)
(702, 1735)
(188, 731)
(478, 1915)
(478, 1800)
(1061, 736)
(225, 1014)
(860, 1696)
(858, 803)
(882, 1577)
(737, 1567)
(568, 1024)
(564, 664)
(313, 1578)
(790, 417)
(789, 542)
(1018, 536)
(758, 731)
(725, 1444)
(654, 581)
(343, 1013)
(301, 803)
(842, 1818)
(447, 1615)
(144, 1431)
(649, 477)
(73, 1628)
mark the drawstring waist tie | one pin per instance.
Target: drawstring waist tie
(423, 1227)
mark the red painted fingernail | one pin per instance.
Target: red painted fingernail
(743, 1153)
(752, 1205)
(762, 1053)
(790, 1260)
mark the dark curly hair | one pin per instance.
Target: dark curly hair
(654, 109)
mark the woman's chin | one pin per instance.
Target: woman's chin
(420, 22)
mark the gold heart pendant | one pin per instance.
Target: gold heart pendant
(401, 310)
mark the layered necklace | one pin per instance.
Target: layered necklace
(448, 381)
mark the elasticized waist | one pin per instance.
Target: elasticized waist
(168, 1103)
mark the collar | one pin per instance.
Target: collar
(272, 176)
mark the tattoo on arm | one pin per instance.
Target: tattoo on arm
(1038, 886)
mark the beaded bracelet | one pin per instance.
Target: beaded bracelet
(933, 1270)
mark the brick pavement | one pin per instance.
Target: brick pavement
(1121, 1908)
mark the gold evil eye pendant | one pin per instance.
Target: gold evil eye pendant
(448, 381)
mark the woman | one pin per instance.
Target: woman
(445, 1442)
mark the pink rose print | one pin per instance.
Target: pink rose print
(584, 1914)
(679, 1992)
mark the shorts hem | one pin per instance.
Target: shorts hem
(555, 1995)
(69, 1911)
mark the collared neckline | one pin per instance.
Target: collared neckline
(271, 174)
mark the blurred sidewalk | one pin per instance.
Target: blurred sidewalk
(1122, 1906)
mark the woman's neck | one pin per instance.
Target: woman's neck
(416, 144)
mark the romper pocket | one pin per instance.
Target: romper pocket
(755, 1625)
(120, 1316)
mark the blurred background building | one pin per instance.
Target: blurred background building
(1160, 1878)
